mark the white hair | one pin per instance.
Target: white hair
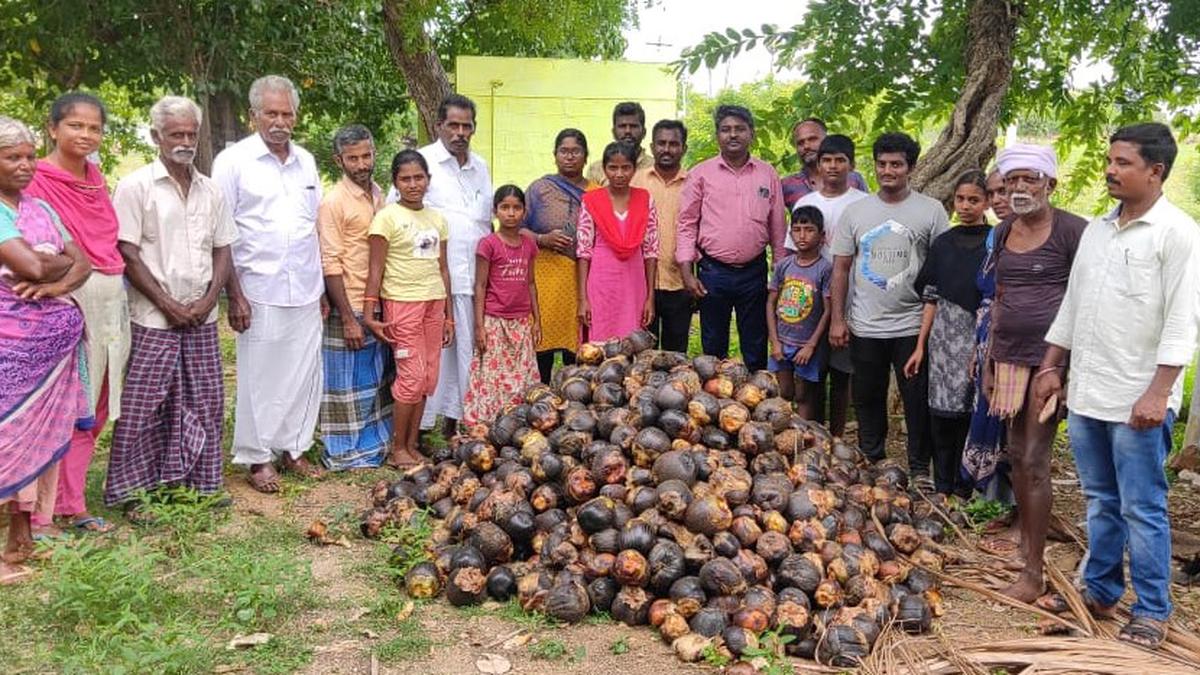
(273, 83)
(173, 106)
(13, 132)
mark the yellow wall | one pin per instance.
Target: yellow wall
(523, 103)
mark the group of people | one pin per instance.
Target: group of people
(371, 314)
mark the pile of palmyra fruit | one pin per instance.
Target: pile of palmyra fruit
(675, 492)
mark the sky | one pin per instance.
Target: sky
(672, 25)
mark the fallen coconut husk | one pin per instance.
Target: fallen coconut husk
(1043, 655)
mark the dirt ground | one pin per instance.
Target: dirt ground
(349, 576)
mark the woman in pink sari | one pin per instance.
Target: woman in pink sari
(74, 187)
(41, 394)
(617, 250)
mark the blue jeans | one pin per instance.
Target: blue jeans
(1121, 472)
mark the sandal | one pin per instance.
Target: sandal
(1000, 547)
(264, 479)
(302, 467)
(1144, 632)
(93, 525)
(1057, 604)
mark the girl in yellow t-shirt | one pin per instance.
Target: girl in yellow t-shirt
(407, 273)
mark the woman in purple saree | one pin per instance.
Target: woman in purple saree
(41, 329)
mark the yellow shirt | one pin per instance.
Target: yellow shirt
(412, 272)
(666, 195)
(343, 220)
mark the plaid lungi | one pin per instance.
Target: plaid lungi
(356, 406)
(169, 432)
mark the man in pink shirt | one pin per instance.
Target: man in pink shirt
(730, 211)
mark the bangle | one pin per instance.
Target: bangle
(372, 299)
(1048, 369)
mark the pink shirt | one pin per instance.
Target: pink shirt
(732, 215)
(509, 269)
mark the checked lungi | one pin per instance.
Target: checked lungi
(356, 406)
(169, 432)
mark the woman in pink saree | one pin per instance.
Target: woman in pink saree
(42, 399)
(617, 247)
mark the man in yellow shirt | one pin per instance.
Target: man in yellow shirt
(664, 179)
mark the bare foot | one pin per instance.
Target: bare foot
(403, 458)
(264, 478)
(1026, 589)
(13, 573)
(302, 467)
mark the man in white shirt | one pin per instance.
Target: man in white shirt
(460, 188)
(272, 186)
(1128, 324)
(835, 164)
(175, 235)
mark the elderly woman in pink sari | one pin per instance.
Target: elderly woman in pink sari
(41, 392)
(618, 251)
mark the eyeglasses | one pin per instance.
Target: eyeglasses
(1028, 180)
(571, 152)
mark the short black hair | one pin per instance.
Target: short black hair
(571, 133)
(627, 108)
(408, 157)
(669, 125)
(811, 120)
(836, 144)
(897, 141)
(455, 101)
(972, 177)
(63, 105)
(808, 213)
(1155, 143)
(349, 135)
(738, 111)
(624, 148)
(505, 191)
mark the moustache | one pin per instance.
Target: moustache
(1111, 180)
(183, 155)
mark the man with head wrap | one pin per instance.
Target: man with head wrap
(1033, 255)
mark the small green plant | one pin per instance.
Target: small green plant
(409, 644)
(408, 544)
(621, 646)
(714, 656)
(548, 650)
(598, 619)
(530, 620)
(771, 648)
(981, 511)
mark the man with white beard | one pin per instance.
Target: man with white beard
(175, 234)
(1032, 254)
(275, 290)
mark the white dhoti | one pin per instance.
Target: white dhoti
(454, 374)
(106, 319)
(279, 383)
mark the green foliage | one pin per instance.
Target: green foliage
(772, 133)
(533, 621)
(620, 646)
(981, 511)
(714, 657)
(548, 650)
(409, 543)
(900, 64)
(771, 649)
(409, 644)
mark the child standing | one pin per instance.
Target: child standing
(507, 320)
(947, 284)
(408, 271)
(798, 312)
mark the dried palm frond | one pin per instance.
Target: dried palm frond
(1049, 656)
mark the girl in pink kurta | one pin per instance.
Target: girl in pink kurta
(617, 250)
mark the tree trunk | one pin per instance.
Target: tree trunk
(969, 139)
(221, 126)
(413, 53)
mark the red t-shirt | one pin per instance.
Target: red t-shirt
(508, 276)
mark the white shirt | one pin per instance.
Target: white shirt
(1132, 304)
(277, 255)
(831, 208)
(175, 235)
(463, 194)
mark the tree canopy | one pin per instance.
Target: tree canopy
(337, 52)
(975, 65)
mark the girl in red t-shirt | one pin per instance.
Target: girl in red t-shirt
(507, 320)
